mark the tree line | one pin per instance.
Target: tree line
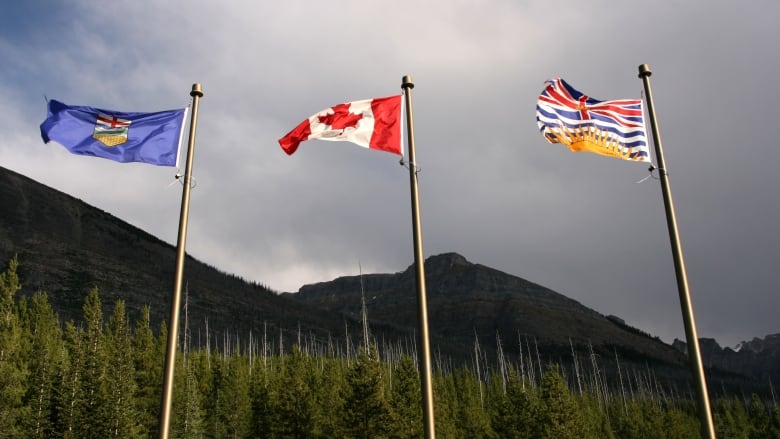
(99, 378)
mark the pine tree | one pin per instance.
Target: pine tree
(214, 425)
(632, 423)
(445, 406)
(188, 418)
(148, 365)
(406, 400)
(70, 396)
(46, 356)
(367, 412)
(735, 423)
(677, 424)
(330, 397)
(208, 372)
(559, 415)
(120, 376)
(515, 413)
(774, 428)
(759, 418)
(13, 367)
(296, 403)
(96, 419)
(731, 420)
(596, 421)
(261, 395)
(234, 406)
(471, 419)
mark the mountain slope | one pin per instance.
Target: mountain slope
(67, 247)
(758, 358)
(465, 299)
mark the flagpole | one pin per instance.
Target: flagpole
(422, 309)
(694, 354)
(173, 325)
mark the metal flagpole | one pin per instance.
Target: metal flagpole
(173, 325)
(422, 309)
(694, 354)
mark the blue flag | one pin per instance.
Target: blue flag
(123, 137)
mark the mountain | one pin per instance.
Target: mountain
(67, 247)
(465, 299)
(758, 358)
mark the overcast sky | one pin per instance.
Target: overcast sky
(491, 188)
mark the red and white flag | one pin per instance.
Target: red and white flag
(372, 123)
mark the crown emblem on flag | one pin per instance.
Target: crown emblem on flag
(110, 130)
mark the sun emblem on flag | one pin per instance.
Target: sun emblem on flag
(111, 130)
(591, 139)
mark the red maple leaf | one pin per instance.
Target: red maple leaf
(341, 118)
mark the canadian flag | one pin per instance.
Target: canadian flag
(372, 123)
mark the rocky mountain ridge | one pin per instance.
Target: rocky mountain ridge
(465, 299)
(758, 358)
(66, 247)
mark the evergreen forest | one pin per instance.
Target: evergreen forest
(101, 378)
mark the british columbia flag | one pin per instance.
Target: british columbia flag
(611, 128)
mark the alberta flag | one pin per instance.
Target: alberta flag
(152, 138)
(372, 123)
(582, 123)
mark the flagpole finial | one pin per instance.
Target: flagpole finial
(406, 82)
(196, 90)
(644, 70)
